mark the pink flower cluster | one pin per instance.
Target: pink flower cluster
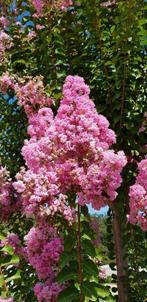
(43, 250)
(6, 299)
(103, 273)
(14, 241)
(138, 197)
(6, 82)
(39, 5)
(68, 152)
(5, 44)
(43, 247)
(4, 22)
(31, 95)
(65, 4)
(40, 195)
(6, 207)
(47, 291)
(31, 35)
(60, 206)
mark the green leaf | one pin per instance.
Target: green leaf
(112, 29)
(8, 249)
(68, 294)
(17, 275)
(89, 289)
(88, 248)
(69, 243)
(67, 257)
(110, 299)
(2, 237)
(85, 236)
(67, 274)
(90, 268)
(102, 292)
(14, 260)
(92, 299)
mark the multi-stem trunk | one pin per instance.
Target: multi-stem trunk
(79, 253)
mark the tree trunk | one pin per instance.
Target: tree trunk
(121, 261)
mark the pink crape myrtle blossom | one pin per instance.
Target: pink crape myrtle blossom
(6, 299)
(6, 82)
(47, 291)
(5, 184)
(5, 44)
(39, 122)
(5, 39)
(138, 197)
(39, 26)
(43, 249)
(59, 206)
(14, 241)
(103, 273)
(65, 4)
(9, 202)
(4, 21)
(6, 207)
(31, 35)
(40, 5)
(31, 95)
(39, 195)
(36, 191)
(67, 152)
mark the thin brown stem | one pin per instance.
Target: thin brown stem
(79, 254)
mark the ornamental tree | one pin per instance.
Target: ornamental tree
(67, 154)
(41, 43)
